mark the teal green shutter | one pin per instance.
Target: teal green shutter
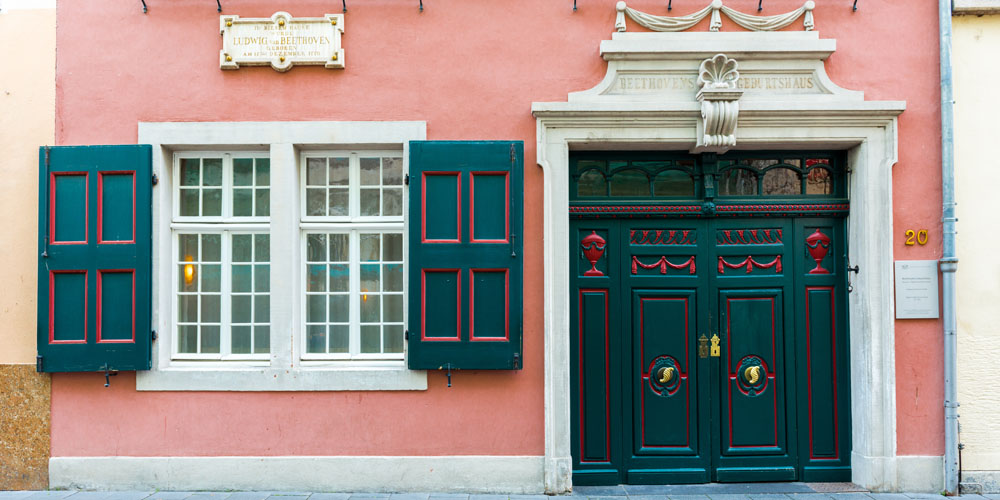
(94, 264)
(465, 261)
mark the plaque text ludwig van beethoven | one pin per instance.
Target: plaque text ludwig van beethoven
(281, 41)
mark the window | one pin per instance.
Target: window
(221, 253)
(352, 247)
(240, 222)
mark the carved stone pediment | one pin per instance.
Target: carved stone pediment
(753, 72)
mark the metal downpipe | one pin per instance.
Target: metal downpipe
(949, 259)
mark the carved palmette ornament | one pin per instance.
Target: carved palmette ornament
(720, 108)
(719, 72)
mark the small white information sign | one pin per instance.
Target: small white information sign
(916, 289)
(281, 41)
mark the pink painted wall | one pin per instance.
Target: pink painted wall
(471, 70)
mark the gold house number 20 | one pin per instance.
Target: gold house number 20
(916, 237)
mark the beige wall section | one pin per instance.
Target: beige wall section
(27, 120)
(977, 178)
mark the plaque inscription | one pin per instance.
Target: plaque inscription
(281, 41)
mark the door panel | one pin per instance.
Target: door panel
(752, 399)
(771, 407)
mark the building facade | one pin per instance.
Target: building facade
(976, 26)
(490, 246)
(27, 119)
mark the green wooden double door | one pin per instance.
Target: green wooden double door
(709, 349)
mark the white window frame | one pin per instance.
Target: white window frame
(353, 224)
(286, 144)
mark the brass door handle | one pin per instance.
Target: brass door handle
(752, 374)
(665, 374)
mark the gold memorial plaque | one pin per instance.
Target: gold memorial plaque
(281, 41)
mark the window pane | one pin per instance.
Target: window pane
(738, 182)
(339, 245)
(369, 247)
(315, 248)
(392, 337)
(819, 181)
(392, 309)
(242, 279)
(210, 339)
(369, 202)
(187, 309)
(189, 172)
(392, 171)
(315, 201)
(242, 251)
(339, 338)
(262, 308)
(673, 183)
(392, 248)
(370, 172)
(340, 171)
(242, 202)
(188, 246)
(187, 277)
(243, 175)
(241, 309)
(316, 277)
(339, 278)
(369, 278)
(187, 339)
(371, 339)
(211, 202)
(316, 339)
(262, 247)
(630, 182)
(339, 202)
(370, 308)
(781, 181)
(189, 202)
(316, 308)
(592, 183)
(392, 202)
(211, 247)
(211, 277)
(340, 311)
(263, 171)
(316, 171)
(241, 339)
(262, 202)
(261, 339)
(262, 278)
(393, 275)
(211, 309)
(211, 170)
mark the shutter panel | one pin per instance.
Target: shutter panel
(465, 262)
(94, 264)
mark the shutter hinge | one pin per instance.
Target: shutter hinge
(513, 154)
(38, 363)
(406, 179)
(448, 367)
(154, 336)
(517, 361)
(155, 180)
(856, 270)
(47, 164)
(406, 335)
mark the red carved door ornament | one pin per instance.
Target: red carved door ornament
(593, 249)
(749, 262)
(818, 244)
(662, 264)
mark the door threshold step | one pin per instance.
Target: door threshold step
(716, 489)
